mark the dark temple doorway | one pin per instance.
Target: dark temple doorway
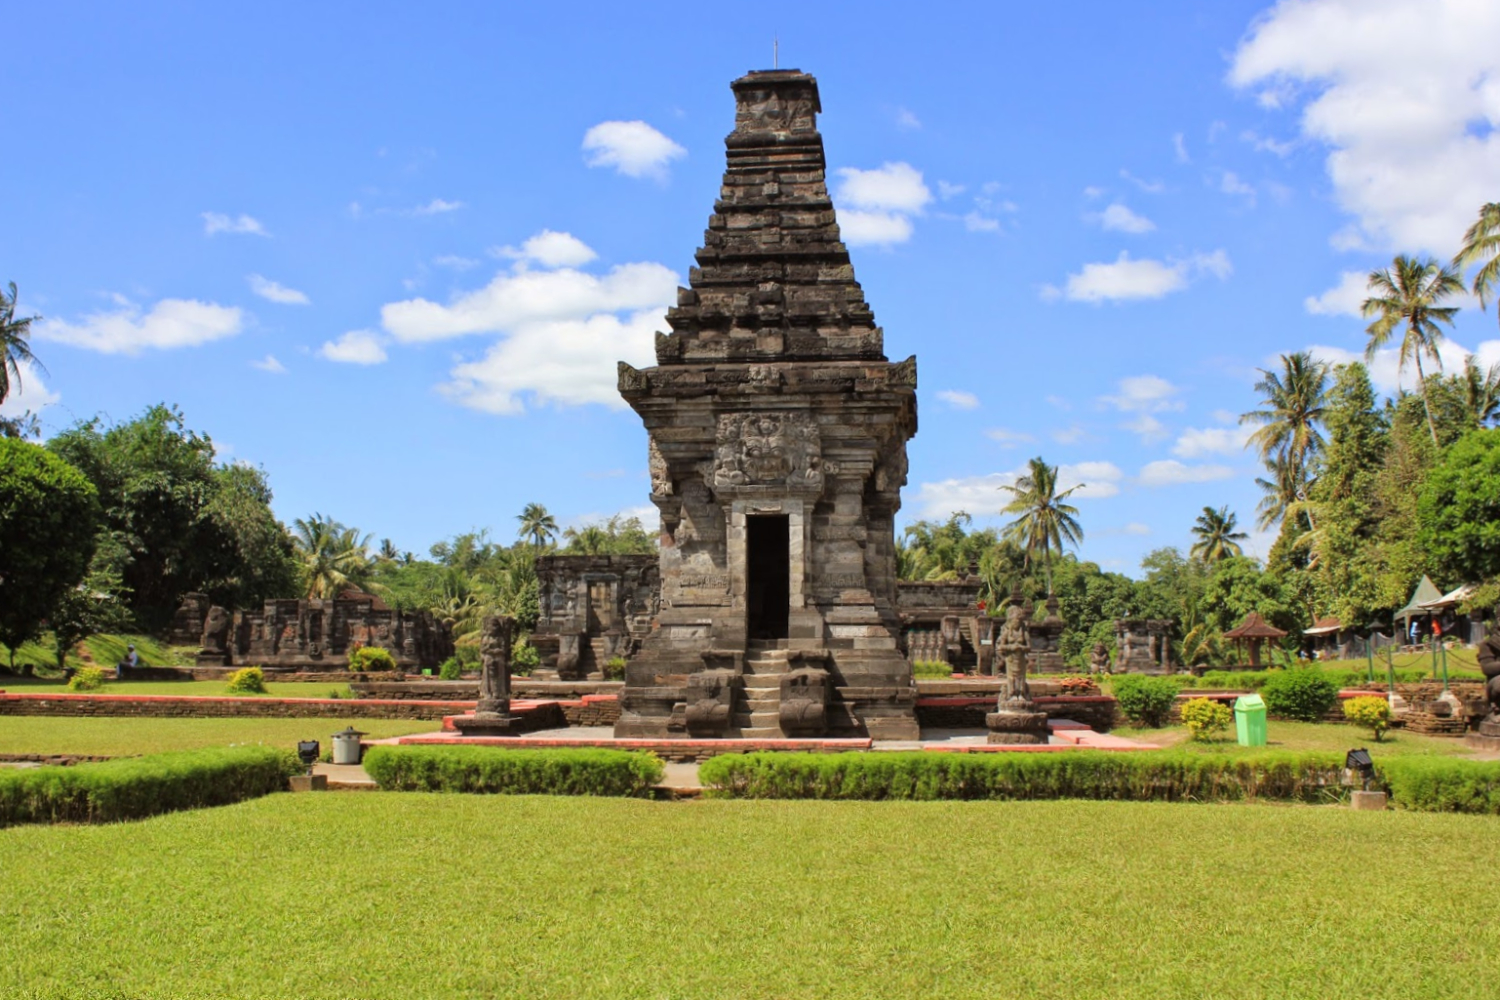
(768, 570)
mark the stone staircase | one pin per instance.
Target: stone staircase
(758, 715)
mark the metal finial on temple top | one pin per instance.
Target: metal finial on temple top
(775, 51)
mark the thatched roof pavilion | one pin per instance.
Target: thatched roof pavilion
(1254, 630)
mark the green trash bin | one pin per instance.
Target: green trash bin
(1250, 720)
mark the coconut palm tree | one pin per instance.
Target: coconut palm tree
(1293, 401)
(1481, 391)
(1046, 522)
(333, 556)
(1287, 486)
(14, 349)
(1482, 244)
(537, 524)
(1217, 539)
(1409, 294)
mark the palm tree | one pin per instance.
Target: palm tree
(1286, 487)
(1217, 539)
(537, 524)
(332, 555)
(1481, 391)
(1046, 523)
(1482, 243)
(590, 540)
(1409, 293)
(13, 347)
(1293, 401)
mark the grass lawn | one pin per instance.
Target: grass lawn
(1308, 736)
(123, 736)
(410, 895)
(284, 689)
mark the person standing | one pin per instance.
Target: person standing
(130, 662)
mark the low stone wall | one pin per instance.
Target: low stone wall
(592, 710)
(468, 690)
(968, 711)
(169, 706)
(51, 759)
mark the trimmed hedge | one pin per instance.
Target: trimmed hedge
(1442, 784)
(1168, 776)
(512, 772)
(137, 787)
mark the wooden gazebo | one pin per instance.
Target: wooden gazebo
(1254, 630)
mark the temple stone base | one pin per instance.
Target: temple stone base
(487, 724)
(1480, 741)
(1017, 726)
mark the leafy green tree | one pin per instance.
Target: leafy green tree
(1458, 509)
(537, 525)
(1291, 412)
(1238, 586)
(91, 608)
(174, 519)
(1046, 522)
(1216, 536)
(14, 349)
(1286, 485)
(1481, 391)
(943, 551)
(49, 512)
(333, 556)
(1481, 246)
(617, 536)
(1408, 296)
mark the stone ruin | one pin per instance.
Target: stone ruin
(311, 634)
(777, 452)
(942, 622)
(1143, 646)
(1016, 719)
(491, 715)
(1488, 654)
(593, 608)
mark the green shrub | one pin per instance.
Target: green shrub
(86, 679)
(1442, 784)
(931, 668)
(1306, 694)
(136, 787)
(451, 669)
(246, 680)
(614, 668)
(1145, 700)
(367, 658)
(515, 772)
(524, 659)
(1163, 776)
(1206, 718)
(1372, 712)
(468, 656)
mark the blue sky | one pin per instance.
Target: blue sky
(392, 253)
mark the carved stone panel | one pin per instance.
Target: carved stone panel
(768, 449)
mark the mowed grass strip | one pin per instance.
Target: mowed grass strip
(1337, 737)
(176, 689)
(128, 736)
(415, 895)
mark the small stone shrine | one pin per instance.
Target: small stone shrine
(491, 716)
(312, 634)
(942, 622)
(1045, 636)
(593, 608)
(1016, 719)
(1489, 663)
(1143, 645)
(777, 452)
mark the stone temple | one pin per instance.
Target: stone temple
(778, 434)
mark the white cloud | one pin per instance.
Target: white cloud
(1126, 278)
(1385, 368)
(1343, 299)
(1179, 147)
(523, 299)
(958, 399)
(1007, 438)
(1145, 394)
(551, 249)
(1136, 528)
(437, 206)
(1414, 150)
(632, 148)
(1169, 472)
(1265, 144)
(565, 361)
(1196, 442)
(947, 190)
(1148, 427)
(28, 392)
(1121, 219)
(894, 187)
(357, 347)
(276, 292)
(215, 222)
(873, 228)
(170, 323)
(455, 262)
(1150, 187)
(1092, 192)
(1068, 435)
(905, 119)
(1230, 183)
(977, 223)
(981, 495)
(269, 364)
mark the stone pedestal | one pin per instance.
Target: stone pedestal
(487, 724)
(1367, 801)
(308, 782)
(1018, 723)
